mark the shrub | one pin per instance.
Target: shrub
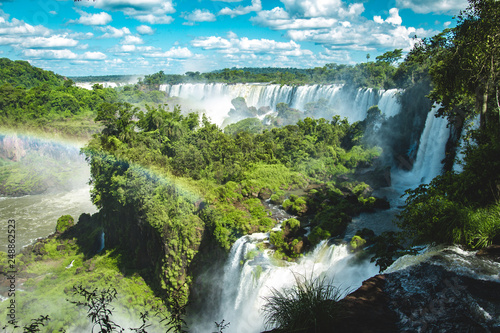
(293, 224)
(310, 304)
(64, 222)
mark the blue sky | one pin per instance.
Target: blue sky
(104, 37)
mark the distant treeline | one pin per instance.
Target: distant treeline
(381, 73)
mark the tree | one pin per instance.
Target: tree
(467, 70)
(389, 57)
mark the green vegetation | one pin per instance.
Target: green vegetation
(463, 208)
(310, 305)
(64, 222)
(51, 268)
(232, 172)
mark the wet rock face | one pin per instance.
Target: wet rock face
(367, 309)
(429, 298)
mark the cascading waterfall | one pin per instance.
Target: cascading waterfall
(250, 274)
(430, 153)
(247, 281)
(215, 98)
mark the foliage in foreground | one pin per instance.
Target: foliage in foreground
(310, 304)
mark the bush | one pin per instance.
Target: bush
(293, 224)
(64, 222)
(311, 304)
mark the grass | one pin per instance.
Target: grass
(311, 304)
(43, 287)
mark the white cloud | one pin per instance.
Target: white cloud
(199, 15)
(240, 10)
(155, 19)
(145, 30)
(322, 8)
(335, 56)
(112, 32)
(126, 48)
(173, 53)
(393, 18)
(364, 37)
(116, 61)
(287, 24)
(447, 24)
(53, 12)
(308, 14)
(132, 40)
(81, 35)
(49, 54)
(18, 27)
(151, 11)
(433, 6)
(101, 18)
(212, 42)
(54, 41)
(236, 45)
(94, 56)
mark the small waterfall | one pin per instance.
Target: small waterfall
(101, 246)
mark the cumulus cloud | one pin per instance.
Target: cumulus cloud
(132, 40)
(112, 32)
(393, 18)
(322, 8)
(154, 19)
(145, 30)
(433, 6)
(309, 14)
(235, 45)
(278, 19)
(173, 53)
(151, 11)
(55, 41)
(101, 18)
(50, 54)
(94, 56)
(81, 35)
(19, 27)
(364, 37)
(242, 10)
(199, 15)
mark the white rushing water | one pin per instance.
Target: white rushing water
(215, 98)
(431, 152)
(247, 282)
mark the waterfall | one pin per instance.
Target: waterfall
(215, 98)
(248, 279)
(430, 153)
(101, 244)
(251, 273)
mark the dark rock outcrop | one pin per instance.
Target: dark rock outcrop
(367, 309)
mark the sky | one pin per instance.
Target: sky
(110, 37)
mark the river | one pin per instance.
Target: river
(36, 215)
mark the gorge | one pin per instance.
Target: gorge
(241, 280)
